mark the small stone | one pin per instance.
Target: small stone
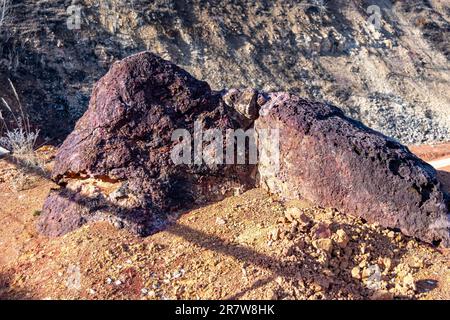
(322, 230)
(382, 295)
(375, 225)
(108, 281)
(118, 282)
(118, 224)
(304, 222)
(237, 192)
(411, 244)
(329, 212)
(294, 212)
(144, 291)
(388, 43)
(317, 287)
(363, 248)
(220, 221)
(275, 234)
(356, 273)
(418, 262)
(293, 229)
(402, 270)
(304, 219)
(408, 282)
(372, 276)
(341, 238)
(247, 103)
(323, 244)
(288, 216)
(178, 274)
(387, 264)
(366, 273)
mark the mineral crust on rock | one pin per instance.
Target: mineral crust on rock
(117, 166)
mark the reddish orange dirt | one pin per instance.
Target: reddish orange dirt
(432, 152)
(436, 152)
(250, 246)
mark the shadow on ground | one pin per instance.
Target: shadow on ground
(7, 292)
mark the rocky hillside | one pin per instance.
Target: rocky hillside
(394, 78)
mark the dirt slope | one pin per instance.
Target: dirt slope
(250, 246)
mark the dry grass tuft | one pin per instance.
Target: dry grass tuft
(20, 141)
(4, 10)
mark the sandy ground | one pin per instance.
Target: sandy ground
(249, 246)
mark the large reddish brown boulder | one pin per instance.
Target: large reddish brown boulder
(337, 162)
(116, 164)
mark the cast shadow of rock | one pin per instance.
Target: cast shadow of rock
(295, 274)
(426, 285)
(300, 272)
(8, 292)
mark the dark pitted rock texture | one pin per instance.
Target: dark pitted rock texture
(337, 162)
(116, 164)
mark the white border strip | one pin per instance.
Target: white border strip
(3, 152)
(441, 163)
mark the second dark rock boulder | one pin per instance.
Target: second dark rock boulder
(337, 162)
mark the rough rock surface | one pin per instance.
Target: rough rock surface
(116, 165)
(337, 162)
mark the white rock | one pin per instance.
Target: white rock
(220, 221)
